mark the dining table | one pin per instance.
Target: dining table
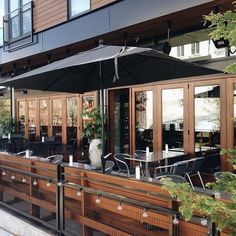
(156, 156)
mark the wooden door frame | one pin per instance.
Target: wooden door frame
(223, 111)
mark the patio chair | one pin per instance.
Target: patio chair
(179, 168)
(122, 164)
(193, 170)
(23, 153)
(174, 178)
(56, 159)
(109, 166)
(39, 148)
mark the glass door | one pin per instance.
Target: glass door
(44, 117)
(32, 113)
(21, 117)
(57, 119)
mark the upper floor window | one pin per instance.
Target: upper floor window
(195, 48)
(180, 51)
(17, 22)
(77, 7)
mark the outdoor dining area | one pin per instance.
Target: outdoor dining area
(155, 131)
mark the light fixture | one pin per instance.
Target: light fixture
(98, 200)
(145, 214)
(35, 183)
(79, 193)
(175, 220)
(4, 173)
(120, 207)
(204, 222)
(23, 179)
(48, 184)
(13, 177)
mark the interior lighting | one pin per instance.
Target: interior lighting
(175, 220)
(79, 193)
(120, 207)
(35, 183)
(145, 214)
(98, 200)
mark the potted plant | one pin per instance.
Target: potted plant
(7, 124)
(92, 130)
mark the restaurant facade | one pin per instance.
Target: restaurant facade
(194, 115)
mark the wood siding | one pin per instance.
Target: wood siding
(48, 13)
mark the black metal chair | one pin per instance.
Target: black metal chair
(109, 166)
(56, 159)
(3, 144)
(193, 170)
(71, 147)
(122, 164)
(39, 148)
(179, 168)
(174, 178)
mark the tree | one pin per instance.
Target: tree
(225, 27)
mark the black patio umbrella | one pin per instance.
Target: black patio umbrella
(106, 67)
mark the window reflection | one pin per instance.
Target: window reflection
(144, 120)
(32, 119)
(57, 118)
(43, 117)
(172, 118)
(71, 118)
(207, 117)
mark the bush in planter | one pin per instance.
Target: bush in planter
(92, 130)
(8, 124)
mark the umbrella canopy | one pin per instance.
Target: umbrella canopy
(106, 67)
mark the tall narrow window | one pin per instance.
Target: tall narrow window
(195, 48)
(71, 119)
(180, 51)
(77, 7)
(144, 120)
(207, 118)
(173, 118)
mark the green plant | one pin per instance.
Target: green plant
(225, 27)
(8, 124)
(221, 213)
(93, 126)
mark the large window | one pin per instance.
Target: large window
(77, 7)
(18, 22)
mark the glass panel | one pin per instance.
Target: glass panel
(14, 4)
(57, 118)
(71, 119)
(15, 27)
(77, 7)
(32, 119)
(88, 103)
(26, 22)
(43, 117)
(21, 117)
(207, 118)
(144, 120)
(172, 118)
(121, 117)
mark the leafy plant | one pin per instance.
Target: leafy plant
(8, 124)
(223, 214)
(93, 127)
(225, 27)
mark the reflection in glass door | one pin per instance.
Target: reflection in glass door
(173, 118)
(57, 118)
(121, 122)
(43, 117)
(144, 120)
(21, 117)
(32, 109)
(207, 118)
(71, 104)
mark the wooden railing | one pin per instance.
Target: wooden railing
(75, 201)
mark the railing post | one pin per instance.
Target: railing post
(210, 228)
(59, 202)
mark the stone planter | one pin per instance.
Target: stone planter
(95, 152)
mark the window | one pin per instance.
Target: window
(77, 7)
(18, 22)
(180, 51)
(195, 48)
